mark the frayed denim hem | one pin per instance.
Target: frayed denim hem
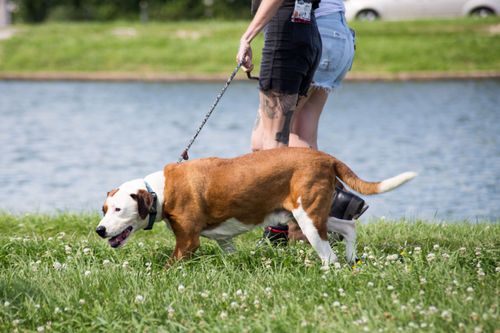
(326, 88)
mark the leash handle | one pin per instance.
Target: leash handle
(184, 156)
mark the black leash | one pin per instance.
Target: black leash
(184, 156)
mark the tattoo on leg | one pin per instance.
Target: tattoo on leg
(269, 104)
(287, 104)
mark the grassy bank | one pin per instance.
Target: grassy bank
(464, 45)
(56, 275)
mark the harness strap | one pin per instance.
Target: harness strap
(152, 210)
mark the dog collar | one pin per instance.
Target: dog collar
(152, 210)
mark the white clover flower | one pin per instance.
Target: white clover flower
(37, 306)
(233, 305)
(81, 301)
(370, 284)
(436, 247)
(430, 257)
(223, 315)
(200, 313)
(256, 302)
(181, 288)
(497, 269)
(446, 315)
(478, 329)
(239, 292)
(474, 316)
(57, 310)
(268, 290)
(125, 264)
(389, 287)
(392, 257)
(67, 248)
(470, 290)
(106, 262)
(325, 295)
(336, 304)
(57, 265)
(139, 299)
(50, 239)
(225, 295)
(86, 250)
(87, 273)
(16, 322)
(252, 253)
(6, 304)
(445, 256)
(204, 294)
(417, 249)
(141, 244)
(344, 308)
(337, 265)
(170, 311)
(40, 329)
(423, 280)
(423, 325)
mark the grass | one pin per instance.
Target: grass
(209, 47)
(56, 275)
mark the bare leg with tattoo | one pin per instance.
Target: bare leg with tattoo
(274, 120)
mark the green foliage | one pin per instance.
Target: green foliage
(210, 46)
(99, 10)
(56, 274)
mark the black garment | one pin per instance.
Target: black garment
(291, 53)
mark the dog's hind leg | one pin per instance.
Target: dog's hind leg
(346, 228)
(322, 246)
(227, 245)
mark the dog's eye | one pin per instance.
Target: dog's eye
(117, 209)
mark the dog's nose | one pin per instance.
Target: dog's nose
(101, 231)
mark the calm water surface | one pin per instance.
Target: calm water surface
(64, 145)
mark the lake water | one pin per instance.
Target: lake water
(64, 145)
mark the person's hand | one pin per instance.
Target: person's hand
(244, 56)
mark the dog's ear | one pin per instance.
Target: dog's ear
(110, 194)
(144, 202)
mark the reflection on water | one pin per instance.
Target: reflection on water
(63, 145)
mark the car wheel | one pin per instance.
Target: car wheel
(482, 12)
(367, 15)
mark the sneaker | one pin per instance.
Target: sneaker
(347, 206)
(276, 235)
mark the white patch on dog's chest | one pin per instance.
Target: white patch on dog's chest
(232, 227)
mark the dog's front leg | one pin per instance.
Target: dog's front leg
(187, 242)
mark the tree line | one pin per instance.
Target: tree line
(36, 11)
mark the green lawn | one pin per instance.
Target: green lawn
(209, 47)
(56, 275)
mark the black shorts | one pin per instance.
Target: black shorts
(290, 55)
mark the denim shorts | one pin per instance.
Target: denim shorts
(338, 50)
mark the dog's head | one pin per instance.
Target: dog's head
(125, 211)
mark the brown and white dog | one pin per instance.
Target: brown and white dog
(222, 198)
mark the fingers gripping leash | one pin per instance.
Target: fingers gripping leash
(184, 156)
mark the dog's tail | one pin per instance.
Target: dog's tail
(359, 185)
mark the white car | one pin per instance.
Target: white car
(369, 10)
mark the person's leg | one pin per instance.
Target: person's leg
(304, 132)
(272, 127)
